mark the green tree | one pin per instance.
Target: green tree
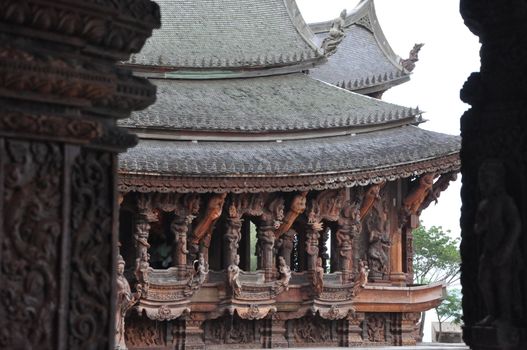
(449, 310)
(436, 258)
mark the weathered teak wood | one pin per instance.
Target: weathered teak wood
(60, 96)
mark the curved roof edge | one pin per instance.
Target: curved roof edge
(233, 40)
(128, 182)
(364, 15)
(300, 24)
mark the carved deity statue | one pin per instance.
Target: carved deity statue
(285, 275)
(318, 277)
(412, 202)
(125, 301)
(233, 274)
(499, 225)
(379, 241)
(336, 35)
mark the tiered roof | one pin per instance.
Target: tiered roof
(245, 124)
(364, 61)
(229, 35)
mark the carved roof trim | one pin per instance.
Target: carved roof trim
(128, 182)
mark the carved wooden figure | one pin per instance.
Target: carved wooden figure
(417, 195)
(298, 205)
(270, 221)
(370, 196)
(146, 214)
(233, 272)
(125, 301)
(499, 225)
(203, 230)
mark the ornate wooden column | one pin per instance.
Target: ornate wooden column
(185, 211)
(313, 228)
(349, 227)
(145, 214)
(494, 188)
(270, 221)
(60, 96)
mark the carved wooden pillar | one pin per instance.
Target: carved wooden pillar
(352, 330)
(186, 208)
(277, 334)
(348, 228)
(144, 216)
(232, 236)
(495, 128)
(179, 228)
(60, 96)
(286, 245)
(398, 245)
(312, 235)
(194, 334)
(269, 222)
(409, 322)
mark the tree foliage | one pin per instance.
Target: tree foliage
(436, 256)
(450, 308)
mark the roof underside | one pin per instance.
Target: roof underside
(364, 61)
(286, 103)
(229, 34)
(180, 166)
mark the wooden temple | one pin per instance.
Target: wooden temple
(264, 206)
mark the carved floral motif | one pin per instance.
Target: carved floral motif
(31, 232)
(91, 255)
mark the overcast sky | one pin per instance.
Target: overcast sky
(450, 54)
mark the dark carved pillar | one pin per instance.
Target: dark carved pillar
(60, 95)
(494, 147)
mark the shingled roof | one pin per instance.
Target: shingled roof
(229, 34)
(331, 162)
(364, 62)
(283, 103)
(215, 128)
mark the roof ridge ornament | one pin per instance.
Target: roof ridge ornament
(409, 63)
(336, 35)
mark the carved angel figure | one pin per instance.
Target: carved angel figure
(233, 274)
(285, 275)
(499, 225)
(125, 301)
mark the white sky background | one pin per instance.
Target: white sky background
(450, 54)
